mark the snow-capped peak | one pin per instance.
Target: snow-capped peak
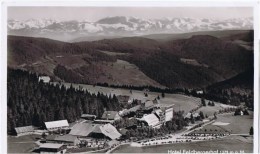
(126, 25)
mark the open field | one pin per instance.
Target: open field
(110, 53)
(210, 110)
(122, 72)
(211, 129)
(235, 125)
(22, 144)
(181, 102)
(231, 143)
(193, 62)
(238, 124)
(70, 61)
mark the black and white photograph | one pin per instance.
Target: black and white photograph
(130, 79)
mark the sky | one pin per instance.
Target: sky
(95, 13)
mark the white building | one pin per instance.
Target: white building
(151, 120)
(57, 125)
(199, 92)
(110, 131)
(168, 110)
(26, 130)
(45, 79)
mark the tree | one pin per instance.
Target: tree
(192, 119)
(237, 112)
(251, 132)
(32, 103)
(203, 101)
(163, 95)
(201, 115)
(215, 115)
(246, 112)
(44, 135)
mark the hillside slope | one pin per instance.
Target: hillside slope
(234, 90)
(226, 58)
(195, 62)
(72, 63)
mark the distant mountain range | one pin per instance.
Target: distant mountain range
(119, 26)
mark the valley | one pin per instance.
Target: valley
(141, 59)
(130, 78)
(190, 87)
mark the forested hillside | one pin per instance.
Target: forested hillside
(194, 62)
(235, 90)
(31, 102)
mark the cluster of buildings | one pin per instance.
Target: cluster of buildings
(154, 114)
(150, 113)
(91, 131)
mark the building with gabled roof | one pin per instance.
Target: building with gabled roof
(168, 111)
(156, 103)
(110, 115)
(123, 99)
(150, 120)
(67, 139)
(57, 125)
(81, 120)
(52, 148)
(160, 114)
(26, 130)
(147, 105)
(44, 79)
(88, 116)
(83, 129)
(101, 121)
(130, 112)
(110, 131)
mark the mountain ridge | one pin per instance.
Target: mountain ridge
(174, 63)
(121, 26)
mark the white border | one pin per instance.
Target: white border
(256, 76)
(3, 83)
(135, 3)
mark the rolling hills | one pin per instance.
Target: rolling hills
(194, 62)
(234, 90)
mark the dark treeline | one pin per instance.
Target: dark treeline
(140, 88)
(235, 90)
(218, 95)
(231, 98)
(67, 74)
(167, 69)
(32, 103)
